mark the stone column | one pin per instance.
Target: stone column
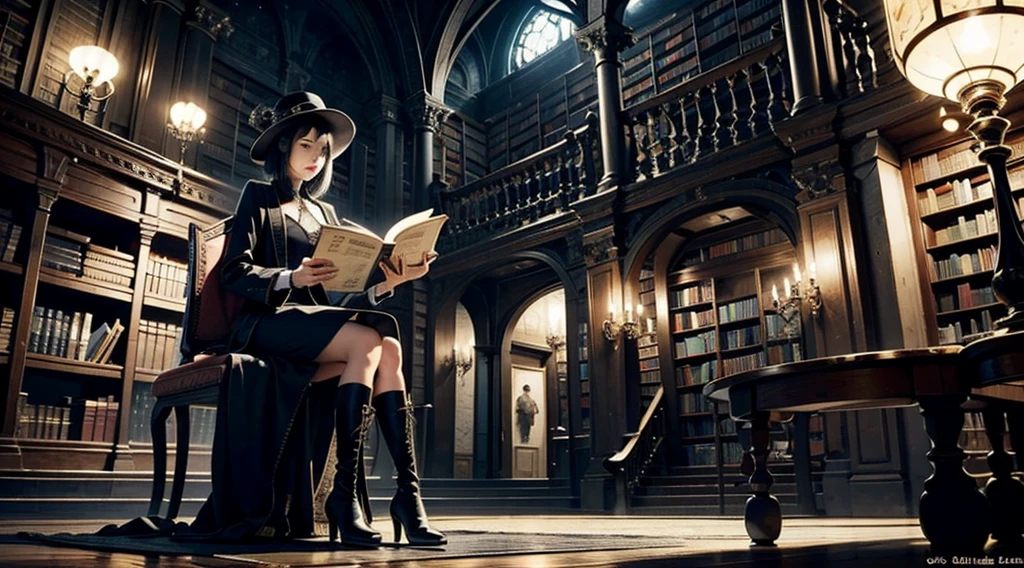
(427, 114)
(384, 119)
(803, 55)
(606, 37)
(204, 25)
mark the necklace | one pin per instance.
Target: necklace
(308, 221)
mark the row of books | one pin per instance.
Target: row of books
(651, 363)
(739, 310)
(964, 228)
(965, 297)
(961, 264)
(166, 277)
(685, 321)
(90, 420)
(10, 234)
(705, 454)
(158, 345)
(953, 334)
(646, 352)
(70, 335)
(650, 377)
(687, 375)
(950, 195)
(6, 329)
(699, 426)
(647, 391)
(776, 327)
(692, 295)
(784, 353)
(736, 338)
(696, 345)
(737, 245)
(955, 159)
(692, 402)
(744, 363)
(75, 254)
(202, 420)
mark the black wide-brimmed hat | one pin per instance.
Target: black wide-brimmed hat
(290, 107)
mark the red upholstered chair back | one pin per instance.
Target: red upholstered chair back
(209, 308)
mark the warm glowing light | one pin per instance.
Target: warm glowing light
(796, 272)
(813, 270)
(786, 287)
(775, 293)
(639, 310)
(90, 61)
(187, 117)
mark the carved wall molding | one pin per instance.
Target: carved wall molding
(164, 181)
(819, 178)
(385, 109)
(599, 246)
(212, 21)
(46, 196)
(574, 248)
(53, 165)
(605, 33)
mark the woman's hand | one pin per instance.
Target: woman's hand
(396, 272)
(313, 271)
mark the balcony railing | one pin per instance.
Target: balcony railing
(712, 111)
(853, 35)
(534, 187)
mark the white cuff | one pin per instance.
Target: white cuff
(371, 294)
(284, 280)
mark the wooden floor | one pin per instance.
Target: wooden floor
(681, 542)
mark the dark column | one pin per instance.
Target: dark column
(484, 464)
(606, 37)
(204, 25)
(383, 115)
(155, 86)
(427, 114)
(803, 55)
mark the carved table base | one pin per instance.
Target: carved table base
(763, 515)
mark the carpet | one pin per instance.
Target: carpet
(319, 552)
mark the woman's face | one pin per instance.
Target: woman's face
(308, 155)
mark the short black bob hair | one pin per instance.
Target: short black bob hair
(276, 164)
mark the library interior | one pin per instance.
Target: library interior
(722, 282)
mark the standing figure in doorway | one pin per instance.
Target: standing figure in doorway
(526, 410)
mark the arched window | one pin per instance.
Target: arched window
(541, 31)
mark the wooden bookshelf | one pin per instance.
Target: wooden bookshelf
(16, 21)
(721, 322)
(583, 338)
(647, 346)
(684, 44)
(950, 199)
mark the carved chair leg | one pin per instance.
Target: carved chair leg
(763, 516)
(1005, 493)
(158, 433)
(955, 516)
(182, 417)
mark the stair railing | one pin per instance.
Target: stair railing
(630, 464)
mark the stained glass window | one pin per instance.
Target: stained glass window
(541, 31)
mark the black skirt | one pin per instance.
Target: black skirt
(301, 332)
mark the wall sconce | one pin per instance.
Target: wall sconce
(789, 308)
(630, 327)
(186, 125)
(95, 67)
(949, 122)
(462, 360)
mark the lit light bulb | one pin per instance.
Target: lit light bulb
(949, 123)
(975, 36)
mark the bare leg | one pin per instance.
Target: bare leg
(359, 347)
(328, 371)
(389, 371)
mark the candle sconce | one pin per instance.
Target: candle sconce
(461, 360)
(630, 327)
(788, 308)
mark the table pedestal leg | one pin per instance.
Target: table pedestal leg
(955, 516)
(1005, 492)
(763, 516)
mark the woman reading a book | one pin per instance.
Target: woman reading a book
(337, 359)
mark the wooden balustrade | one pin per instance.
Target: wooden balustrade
(630, 464)
(723, 107)
(534, 187)
(854, 39)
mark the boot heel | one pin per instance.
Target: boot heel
(332, 529)
(398, 529)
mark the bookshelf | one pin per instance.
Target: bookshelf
(101, 312)
(462, 155)
(950, 199)
(684, 44)
(583, 339)
(647, 345)
(16, 20)
(721, 323)
(541, 119)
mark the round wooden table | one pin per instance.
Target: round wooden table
(938, 379)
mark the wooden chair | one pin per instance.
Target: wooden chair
(209, 311)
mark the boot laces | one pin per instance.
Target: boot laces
(363, 431)
(410, 423)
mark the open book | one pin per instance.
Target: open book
(356, 251)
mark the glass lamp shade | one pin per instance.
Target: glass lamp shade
(187, 117)
(93, 61)
(943, 46)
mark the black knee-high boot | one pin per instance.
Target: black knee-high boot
(395, 419)
(353, 416)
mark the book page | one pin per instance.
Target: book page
(412, 242)
(414, 219)
(353, 252)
